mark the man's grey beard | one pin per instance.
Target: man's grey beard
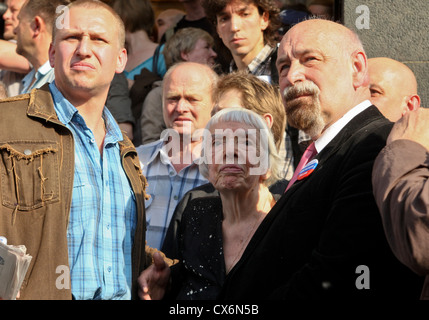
(304, 114)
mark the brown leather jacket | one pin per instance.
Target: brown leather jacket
(36, 172)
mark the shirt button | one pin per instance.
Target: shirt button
(109, 269)
(27, 152)
(176, 197)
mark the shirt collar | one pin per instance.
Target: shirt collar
(260, 57)
(337, 126)
(160, 148)
(45, 68)
(66, 112)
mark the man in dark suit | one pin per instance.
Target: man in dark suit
(324, 237)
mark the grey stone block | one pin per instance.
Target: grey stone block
(394, 29)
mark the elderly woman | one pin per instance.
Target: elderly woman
(244, 90)
(249, 91)
(190, 44)
(239, 158)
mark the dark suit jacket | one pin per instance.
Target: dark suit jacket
(313, 242)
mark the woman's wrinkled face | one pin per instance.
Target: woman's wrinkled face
(202, 53)
(234, 152)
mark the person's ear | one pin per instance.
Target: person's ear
(121, 61)
(184, 56)
(413, 102)
(37, 25)
(51, 55)
(410, 103)
(265, 20)
(360, 69)
(269, 119)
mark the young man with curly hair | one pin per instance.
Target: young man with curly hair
(247, 29)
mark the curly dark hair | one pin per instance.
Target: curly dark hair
(213, 7)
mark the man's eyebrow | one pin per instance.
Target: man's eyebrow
(91, 33)
(171, 94)
(376, 86)
(282, 60)
(186, 94)
(244, 8)
(297, 53)
(240, 10)
(69, 31)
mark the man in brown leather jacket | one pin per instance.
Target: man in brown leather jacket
(39, 152)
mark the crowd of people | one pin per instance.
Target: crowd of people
(230, 148)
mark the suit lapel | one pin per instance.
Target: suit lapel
(359, 121)
(362, 119)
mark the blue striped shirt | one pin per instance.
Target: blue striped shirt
(166, 188)
(103, 210)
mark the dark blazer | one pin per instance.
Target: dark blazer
(324, 237)
(170, 245)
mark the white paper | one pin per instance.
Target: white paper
(14, 263)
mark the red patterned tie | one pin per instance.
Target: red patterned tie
(309, 153)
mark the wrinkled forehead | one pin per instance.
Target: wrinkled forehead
(93, 21)
(294, 45)
(304, 37)
(189, 75)
(15, 3)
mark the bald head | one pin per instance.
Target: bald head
(187, 96)
(322, 74)
(393, 87)
(325, 30)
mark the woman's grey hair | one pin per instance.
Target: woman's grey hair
(254, 120)
(184, 41)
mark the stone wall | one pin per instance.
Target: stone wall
(398, 29)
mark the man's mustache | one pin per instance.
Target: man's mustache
(299, 89)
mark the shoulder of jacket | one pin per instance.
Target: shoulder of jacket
(16, 104)
(21, 97)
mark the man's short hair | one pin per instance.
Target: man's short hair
(91, 4)
(46, 9)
